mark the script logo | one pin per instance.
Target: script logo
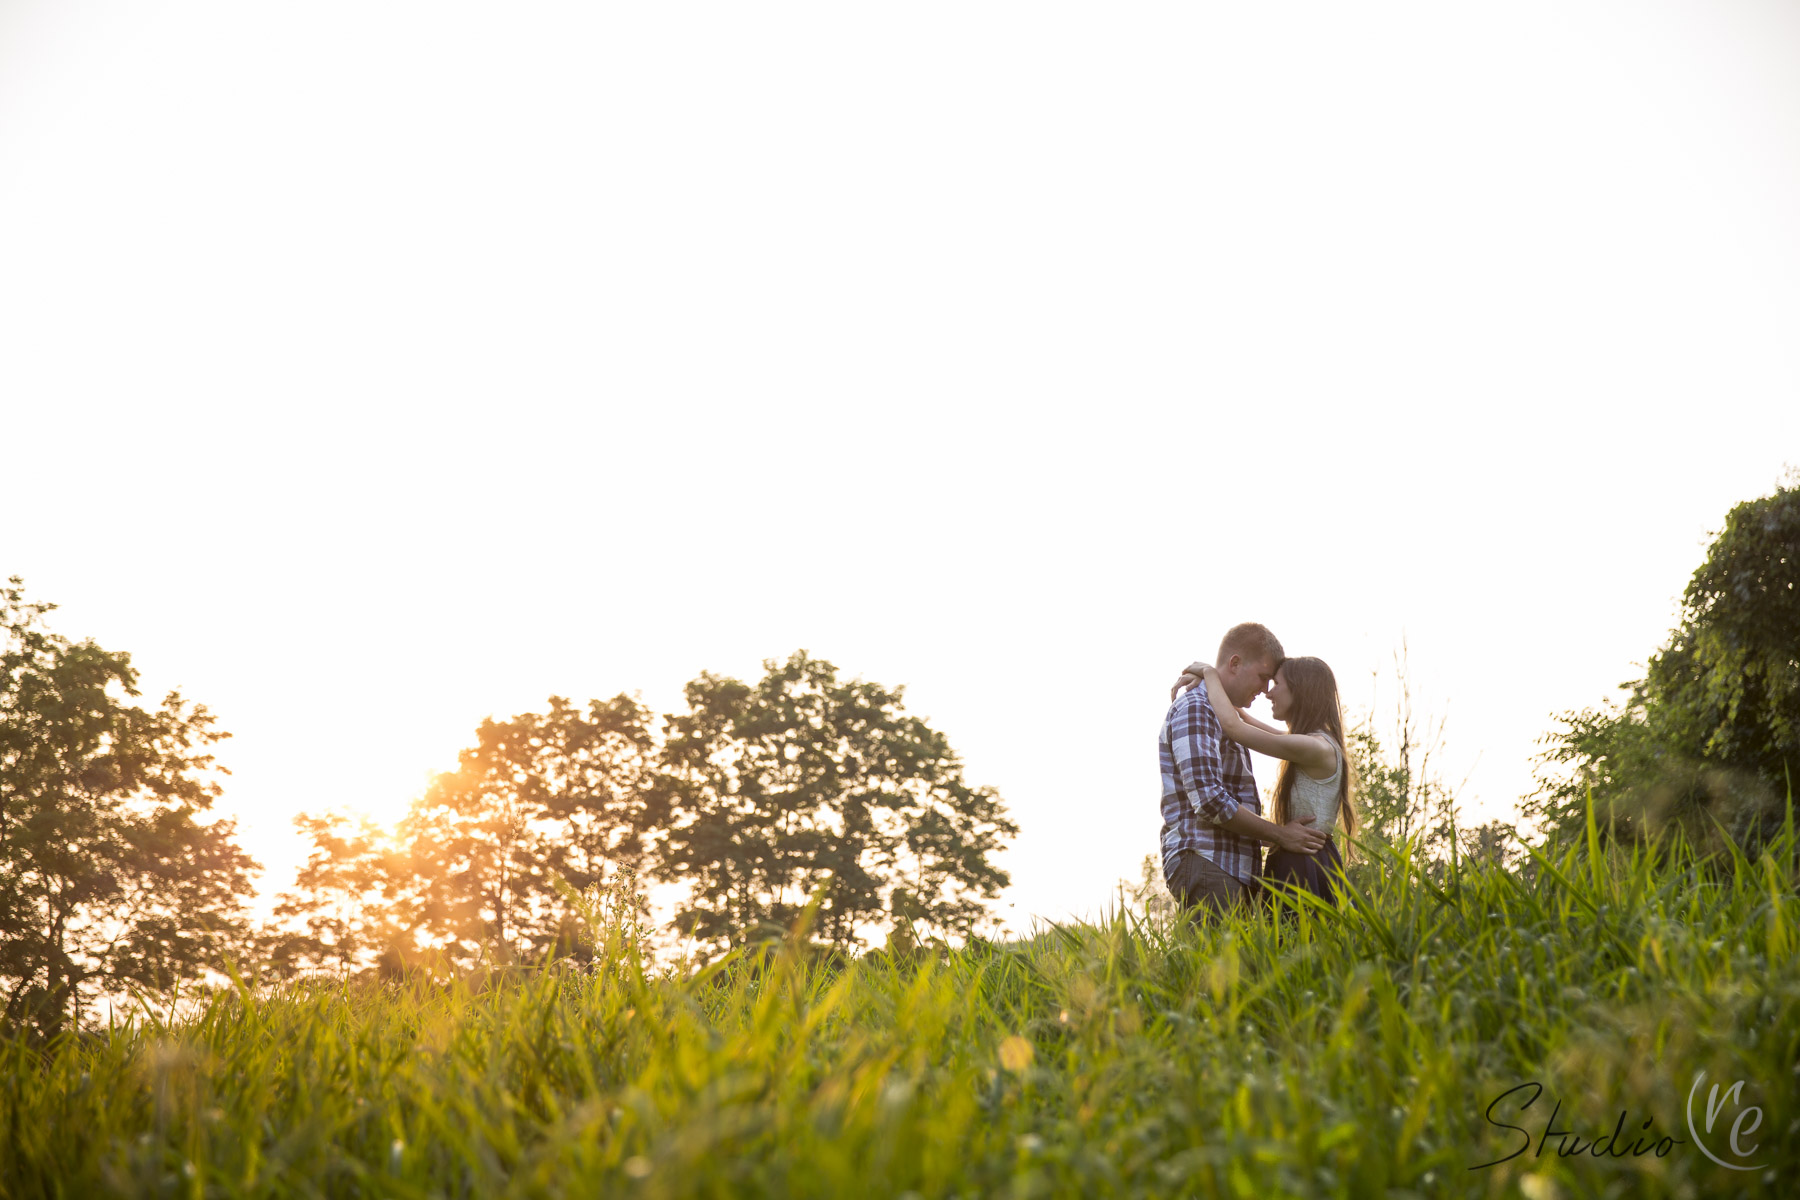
(1715, 1104)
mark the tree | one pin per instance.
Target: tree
(802, 781)
(1149, 892)
(1399, 792)
(1729, 680)
(472, 873)
(350, 900)
(1713, 727)
(109, 879)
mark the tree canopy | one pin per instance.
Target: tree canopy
(1713, 727)
(802, 780)
(753, 800)
(111, 881)
(477, 869)
(755, 797)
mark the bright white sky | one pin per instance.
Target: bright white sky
(367, 369)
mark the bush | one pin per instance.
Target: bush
(1710, 738)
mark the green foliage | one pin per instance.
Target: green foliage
(1346, 1052)
(1612, 752)
(346, 909)
(1149, 892)
(758, 795)
(1712, 731)
(802, 781)
(1730, 679)
(479, 869)
(1398, 792)
(1390, 801)
(109, 880)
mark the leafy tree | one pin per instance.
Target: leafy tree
(109, 880)
(1729, 681)
(1399, 793)
(472, 873)
(542, 797)
(349, 898)
(1611, 753)
(1399, 797)
(1713, 727)
(801, 780)
(1149, 892)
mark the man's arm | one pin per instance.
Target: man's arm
(1296, 836)
(1194, 740)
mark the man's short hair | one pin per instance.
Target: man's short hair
(1252, 641)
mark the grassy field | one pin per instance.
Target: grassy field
(1339, 1053)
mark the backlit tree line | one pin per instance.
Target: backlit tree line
(116, 880)
(755, 798)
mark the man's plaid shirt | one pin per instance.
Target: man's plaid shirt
(1204, 780)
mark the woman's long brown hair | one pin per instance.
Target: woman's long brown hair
(1316, 710)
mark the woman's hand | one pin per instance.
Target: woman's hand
(1190, 675)
(1296, 838)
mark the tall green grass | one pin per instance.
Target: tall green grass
(1336, 1051)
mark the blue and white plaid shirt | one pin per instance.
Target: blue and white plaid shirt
(1204, 780)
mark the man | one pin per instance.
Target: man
(1212, 822)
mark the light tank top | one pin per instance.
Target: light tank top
(1317, 798)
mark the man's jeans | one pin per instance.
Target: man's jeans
(1196, 883)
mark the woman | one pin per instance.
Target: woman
(1315, 776)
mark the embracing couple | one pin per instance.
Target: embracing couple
(1213, 829)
